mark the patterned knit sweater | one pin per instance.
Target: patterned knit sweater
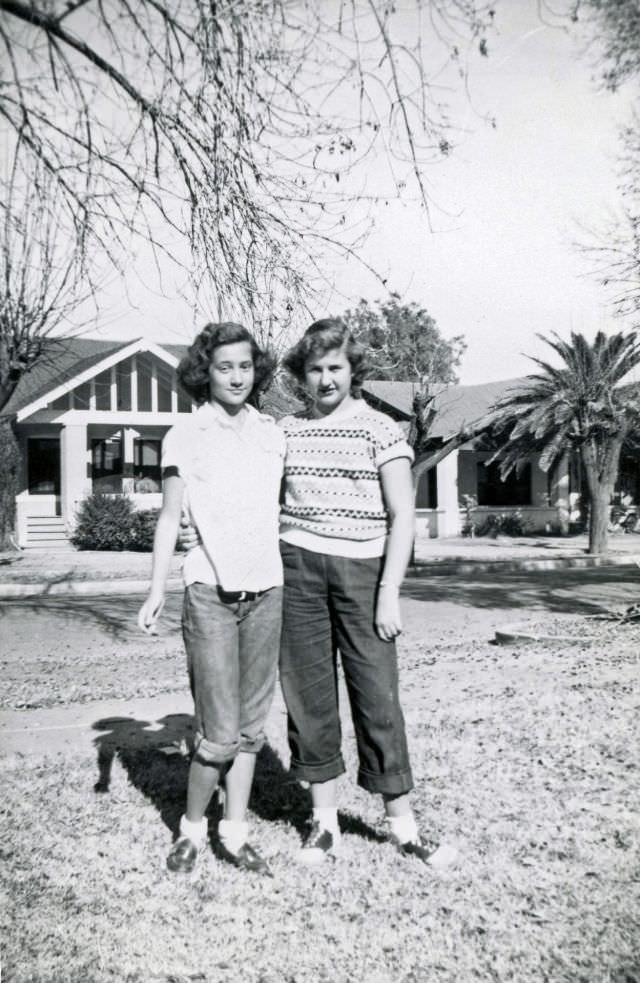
(332, 482)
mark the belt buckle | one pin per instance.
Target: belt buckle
(242, 595)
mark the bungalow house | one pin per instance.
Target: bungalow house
(463, 479)
(91, 415)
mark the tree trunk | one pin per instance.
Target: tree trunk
(10, 457)
(601, 469)
(599, 521)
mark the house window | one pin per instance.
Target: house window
(628, 481)
(143, 363)
(123, 384)
(492, 491)
(184, 402)
(103, 390)
(165, 386)
(427, 490)
(43, 465)
(106, 465)
(81, 396)
(146, 465)
(61, 403)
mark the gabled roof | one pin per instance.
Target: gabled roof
(396, 396)
(178, 351)
(457, 407)
(66, 359)
(62, 360)
(67, 362)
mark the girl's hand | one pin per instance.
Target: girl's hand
(388, 620)
(187, 535)
(149, 613)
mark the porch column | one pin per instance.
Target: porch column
(75, 480)
(128, 437)
(559, 490)
(448, 506)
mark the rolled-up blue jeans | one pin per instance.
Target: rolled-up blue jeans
(329, 606)
(232, 658)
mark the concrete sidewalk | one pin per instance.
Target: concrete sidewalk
(156, 720)
(87, 572)
(465, 555)
(162, 722)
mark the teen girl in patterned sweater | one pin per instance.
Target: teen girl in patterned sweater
(346, 531)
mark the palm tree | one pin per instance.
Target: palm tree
(581, 405)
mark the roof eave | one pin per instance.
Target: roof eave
(121, 353)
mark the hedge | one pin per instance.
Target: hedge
(110, 522)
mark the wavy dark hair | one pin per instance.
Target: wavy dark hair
(193, 370)
(321, 337)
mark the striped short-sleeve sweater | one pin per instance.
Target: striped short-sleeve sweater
(332, 491)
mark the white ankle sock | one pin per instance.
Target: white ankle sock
(327, 818)
(404, 828)
(233, 833)
(197, 832)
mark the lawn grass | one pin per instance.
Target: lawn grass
(525, 759)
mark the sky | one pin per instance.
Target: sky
(499, 264)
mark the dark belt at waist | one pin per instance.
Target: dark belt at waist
(233, 596)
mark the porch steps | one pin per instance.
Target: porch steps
(46, 533)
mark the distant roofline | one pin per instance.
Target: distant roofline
(116, 350)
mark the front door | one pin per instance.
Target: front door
(43, 467)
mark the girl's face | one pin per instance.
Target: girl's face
(231, 375)
(328, 380)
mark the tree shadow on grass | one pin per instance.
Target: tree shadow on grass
(114, 614)
(584, 591)
(156, 756)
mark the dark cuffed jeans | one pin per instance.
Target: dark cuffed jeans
(329, 605)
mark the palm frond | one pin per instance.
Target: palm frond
(564, 405)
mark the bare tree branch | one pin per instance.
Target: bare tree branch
(42, 277)
(243, 131)
(614, 248)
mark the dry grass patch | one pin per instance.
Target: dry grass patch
(525, 759)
